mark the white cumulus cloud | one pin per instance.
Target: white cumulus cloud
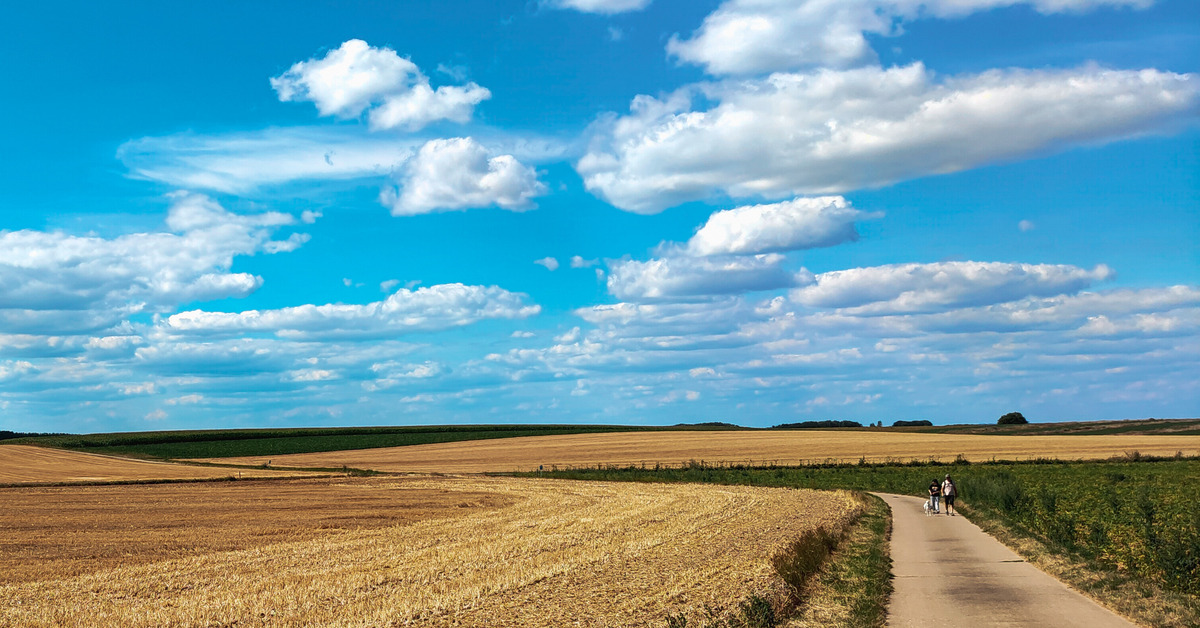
(56, 279)
(752, 36)
(737, 251)
(830, 131)
(357, 77)
(458, 173)
(684, 277)
(801, 223)
(912, 288)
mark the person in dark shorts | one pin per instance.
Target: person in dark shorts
(949, 492)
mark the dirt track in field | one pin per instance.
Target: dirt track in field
(758, 447)
(23, 464)
(555, 553)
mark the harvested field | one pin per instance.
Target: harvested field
(759, 447)
(23, 464)
(55, 532)
(559, 553)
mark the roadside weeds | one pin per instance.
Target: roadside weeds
(1137, 599)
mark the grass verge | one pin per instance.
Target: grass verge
(854, 587)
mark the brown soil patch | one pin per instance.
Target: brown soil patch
(559, 554)
(24, 464)
(765, 447)
(67, 531)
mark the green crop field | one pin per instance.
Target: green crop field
(275, 442)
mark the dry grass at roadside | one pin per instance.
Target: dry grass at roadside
(772, 447)
(24, 464)
(560, 553)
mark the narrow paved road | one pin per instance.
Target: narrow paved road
(948, 572)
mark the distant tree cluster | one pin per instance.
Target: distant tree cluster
(708, 424)
(921, 423)
(1012, 418)
(810, 425)
(6, 434)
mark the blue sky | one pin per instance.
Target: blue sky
(613, 211)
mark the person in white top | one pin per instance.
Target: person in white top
(949, 492)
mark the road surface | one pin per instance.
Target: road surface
(948, 572)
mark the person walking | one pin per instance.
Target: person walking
(935, 493)
(949, 492)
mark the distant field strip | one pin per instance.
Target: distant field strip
(782, 447)
(23, 464)
(280, 441)
(558, 554)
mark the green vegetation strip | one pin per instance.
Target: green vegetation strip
(1126, 531)
(278, 442)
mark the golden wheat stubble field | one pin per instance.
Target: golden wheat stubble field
(60, 531)
(23, 464)
(758, 447)
(506, 552)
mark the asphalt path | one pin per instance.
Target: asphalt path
(948, 572)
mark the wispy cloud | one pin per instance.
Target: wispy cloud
(248, 162)
(607, 7)
(435, 307)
